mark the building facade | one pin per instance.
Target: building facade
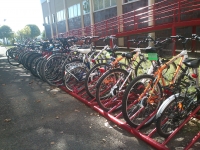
(61, 16)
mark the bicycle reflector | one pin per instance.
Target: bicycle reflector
(194, 75)
(102, 70)
(93, 60)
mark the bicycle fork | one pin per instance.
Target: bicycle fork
(121, 79)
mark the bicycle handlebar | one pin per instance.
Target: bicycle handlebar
(195, 37)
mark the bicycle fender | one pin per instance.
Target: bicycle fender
(166, 103)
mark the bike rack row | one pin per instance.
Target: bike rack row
(117, 118)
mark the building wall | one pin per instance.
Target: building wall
(48, 31)
(61, 26)
(135, 5)
(45, 10)
(72, 2)
(129, 7)
(102, 15)
(87, 20)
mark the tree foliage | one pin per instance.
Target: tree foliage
(43, 35)
(5, 32)
(26, 31)
(35, 31)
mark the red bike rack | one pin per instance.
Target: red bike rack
(117, 118)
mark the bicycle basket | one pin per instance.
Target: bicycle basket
(166, 51)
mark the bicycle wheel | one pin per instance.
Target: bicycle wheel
(29, 59)
(37, 66)
(51, 70)
(143, 67)
(25, 58)
(171, 116)
(13, 58)
(138, 104)
(168, 72)
(92, 78)
(33, 65)
(75, 77)
(108, 94)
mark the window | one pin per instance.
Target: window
(126, 1)
(86, 6)
(101, 4)
(46, 20)
(61, 15)
(113, 2)
(74, 11)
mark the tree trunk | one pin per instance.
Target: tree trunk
(4, 42)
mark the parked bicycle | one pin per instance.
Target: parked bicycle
(186, 97)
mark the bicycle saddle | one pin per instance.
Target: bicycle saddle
(84, 51)
(192, 63)
(151, 49)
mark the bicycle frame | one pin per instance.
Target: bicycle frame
(158, 74)
(130, 69)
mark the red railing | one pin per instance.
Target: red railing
(161, 15)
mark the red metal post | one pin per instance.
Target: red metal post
(193, 141)
(111, 43)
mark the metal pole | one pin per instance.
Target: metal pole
(92, 17)
(151, 19)
(55, 19)
(66, 15)
(49, 7)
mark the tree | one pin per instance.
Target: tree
(43, 35)
(35, 31)
(26, 31)
(5, 32)
(19, 35)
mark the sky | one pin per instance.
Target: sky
(18, 13)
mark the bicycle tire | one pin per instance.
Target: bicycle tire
(142, 67)
(170, 116)
(108, 95)
(131, 106)
(92, 78)
(13, 58)
(51, 70)
(33, 65)
(69, 78)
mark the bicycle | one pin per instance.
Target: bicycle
(112, 84)
(186, 98)
(95, 72)
(145, 93)
(76, 70)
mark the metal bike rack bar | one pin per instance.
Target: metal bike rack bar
(80, 94)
